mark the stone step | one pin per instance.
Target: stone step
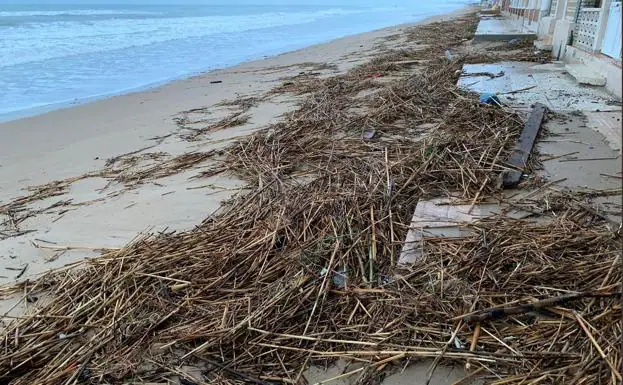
(501, 29)
(585, 75)
(489, 12)
(543, 45)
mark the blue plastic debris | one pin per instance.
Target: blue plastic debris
(449, 55)
(490, 98)
(339, 278)
(514, 41)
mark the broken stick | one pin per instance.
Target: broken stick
(501, 312)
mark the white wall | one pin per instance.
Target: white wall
(606, 67)
(560, 38)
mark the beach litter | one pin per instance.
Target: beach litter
(303, 268)
(449, 55)
(369, 134)
(490, 98)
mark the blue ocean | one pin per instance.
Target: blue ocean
(56, 55)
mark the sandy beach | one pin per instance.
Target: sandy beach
(74, 141)
(248, 225)
(77, 141)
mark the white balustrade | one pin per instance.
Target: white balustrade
(586, 28)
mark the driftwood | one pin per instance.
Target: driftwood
(523, 149)
(505, 311)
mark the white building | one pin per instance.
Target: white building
(527, 13)
(583, 33)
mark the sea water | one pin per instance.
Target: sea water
(57, 55)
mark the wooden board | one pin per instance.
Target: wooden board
(520, 155)
(445, 218)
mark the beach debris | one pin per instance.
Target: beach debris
(216, 81)
(489, 74)
(517, 90)
(523, 148)
(16, 211)
(20, 270)
(31, 299)
(515, 41)
(524, 51)
(133, 176)
(195, 124)
(500, 312)
(224, 296)
(449, 55)
(130, 156)
(407, 63)
(490, 98)
(369, 134)
(339, 278)
(447, 218)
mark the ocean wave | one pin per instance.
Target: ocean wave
(76, 12)
(39, 41)
(49, 60)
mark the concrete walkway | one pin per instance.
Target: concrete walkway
(499, 28)
(549, 84)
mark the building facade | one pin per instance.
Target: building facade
(583, 32)
(526, 12)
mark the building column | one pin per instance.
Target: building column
(559, 12)
(545, 6)
(603, 22)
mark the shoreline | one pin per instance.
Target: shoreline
(35, 111)
(69, 143)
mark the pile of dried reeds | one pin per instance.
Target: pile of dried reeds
(302, 269)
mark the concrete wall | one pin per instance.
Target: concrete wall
(525, 13)
(556, 30)
(522, 23)
(562, 31)
(601, 64)
(546, 28)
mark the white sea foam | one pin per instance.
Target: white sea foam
(75, 12)
(37, 41)
(55, 54)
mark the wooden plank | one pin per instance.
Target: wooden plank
(445, 218)
(523, 148)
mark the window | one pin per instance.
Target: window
(571, 8)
